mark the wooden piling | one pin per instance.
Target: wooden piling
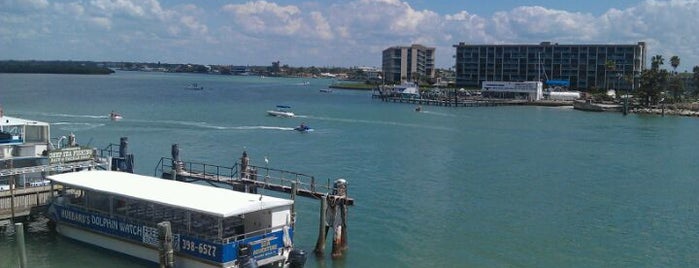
(294, 189)
(337, 229)
(322, 230)
(176, 166)
(165, 238)
(343, 239)
(19, 233)
(10, 165)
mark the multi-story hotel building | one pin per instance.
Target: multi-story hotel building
(413, 63)
(584, 66)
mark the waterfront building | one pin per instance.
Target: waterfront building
(584, 66)
(408, 63)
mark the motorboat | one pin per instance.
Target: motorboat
(418, 109)
(115, 116)
(282, 111)
(326, 90)
(303, 128)
(194, 86)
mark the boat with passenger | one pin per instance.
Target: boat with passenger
(194, 86)
(115, 116)
(210, 227)
(303, 128)
(281, 111)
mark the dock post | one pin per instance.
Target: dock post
(244, 163)
(165, 238)
(322, 230)
(294, 189)
(176, 163)
(19, 232)
(339, 220)
(11, 182)
(337, 229)
(71, 140)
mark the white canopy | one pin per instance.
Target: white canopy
(189, 196)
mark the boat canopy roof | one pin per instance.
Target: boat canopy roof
(283, 106)
(205, 199)
(14, 121)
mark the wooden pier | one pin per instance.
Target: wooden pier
(453, 102)
(250, 178)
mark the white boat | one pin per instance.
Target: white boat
(115, 116)
(326, 90)
(281, 111)
(194, 86)
(211, 227)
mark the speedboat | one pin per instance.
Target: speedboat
(281, 111)
(418, 108)
(303, 128)
(326, 90)
(115, 116)
(194, 86)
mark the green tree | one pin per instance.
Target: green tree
(674, 62)
(652, 82)
(609, 66)
(695, 78)
(656, 61)
(676, 87)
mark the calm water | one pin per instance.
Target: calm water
(448, 187)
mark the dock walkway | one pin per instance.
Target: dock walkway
(255, 178)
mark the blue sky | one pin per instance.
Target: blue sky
(329, 32)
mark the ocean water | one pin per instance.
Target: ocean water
(447, 187)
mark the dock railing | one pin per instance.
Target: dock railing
(260, 176)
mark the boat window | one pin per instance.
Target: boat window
(36, 134)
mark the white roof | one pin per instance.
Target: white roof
(14, 121)
(205, 199)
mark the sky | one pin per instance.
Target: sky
(331, 33)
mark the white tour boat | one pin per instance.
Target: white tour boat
(211, 227)
(282, 111)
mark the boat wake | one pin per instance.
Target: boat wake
(437, 113)
(76, 126)
(391, 123)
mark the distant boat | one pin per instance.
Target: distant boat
(194, 86)
(282, 111)
(303, 128)
(418, 108)
(326, 90)
(115, 116)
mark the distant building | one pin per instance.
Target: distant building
(413, 63)
(584, 66)
(531, 90)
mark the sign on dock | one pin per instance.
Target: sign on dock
(71, 154)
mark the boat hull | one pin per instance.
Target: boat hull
(123, 246)
(281, 114)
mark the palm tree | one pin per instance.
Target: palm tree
(674, 62)
(609, 66)
(656, 61)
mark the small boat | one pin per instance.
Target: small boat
(281, 111)
(418, 108)
(326, 90)
(115, 116)
(303, 128)
(194, 86)
(209, 226)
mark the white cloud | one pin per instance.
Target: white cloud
(352, 32)
(263, 17)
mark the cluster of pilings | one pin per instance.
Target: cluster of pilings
(333, 212)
